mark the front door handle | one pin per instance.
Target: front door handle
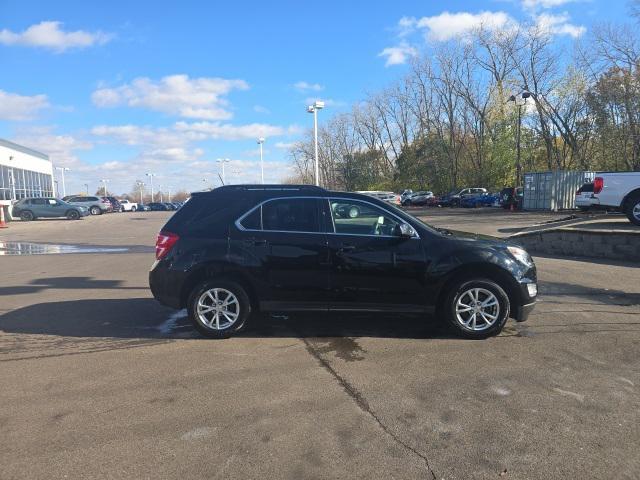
(347, 248)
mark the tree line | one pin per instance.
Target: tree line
(452, 120)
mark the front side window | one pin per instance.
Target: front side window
(359, 218)
(291, 215)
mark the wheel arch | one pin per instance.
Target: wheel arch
(489, 271)
(628, 197)
(207, 272)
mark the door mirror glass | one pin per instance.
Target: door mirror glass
(406, 231)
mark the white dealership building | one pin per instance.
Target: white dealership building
(23, 173)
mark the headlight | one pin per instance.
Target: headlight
(532, 289)
(521, 255)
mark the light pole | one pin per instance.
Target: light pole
(520, 100)
(222, 161)
(169, 194)
(141, 187)
(104, 183)
(317, 105)
(260, 142)
(204, 180)
(62, 170)
(86, 187)
(151, 175)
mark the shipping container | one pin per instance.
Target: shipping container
(554, 190)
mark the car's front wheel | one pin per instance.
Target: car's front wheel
(476, 308)
(27, 216)
(219, 308)
(95, 211)
(133, 209)
(73, 215)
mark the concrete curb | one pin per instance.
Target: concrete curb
(608, 244)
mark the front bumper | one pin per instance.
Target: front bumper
(527, 301)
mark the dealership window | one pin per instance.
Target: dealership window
(26, 183)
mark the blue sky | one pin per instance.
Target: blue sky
(117, 89)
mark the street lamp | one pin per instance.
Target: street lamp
(62, 170)
(317, 105)
(260, 142)
(222, 161)
(204, 180)
(86, 186)
(141, 187)
(151, 175)
(520, 100)
(104, 183)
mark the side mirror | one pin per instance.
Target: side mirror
(406, 231)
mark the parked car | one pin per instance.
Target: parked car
(110, 208)
(127, 206)
(418, 198)
(116, 206)
(584, 197)
(479, 200)
(95, 205)
(453, 198)
(406, 193)
(158, 207)
(620, 191)
(245, 248)
(31, 208)
(512, 196)
(143, 207)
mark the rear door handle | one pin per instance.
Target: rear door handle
(255, 242)
(347, 248)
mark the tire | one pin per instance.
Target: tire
(73, 215)
(27, 216)
(221, 288)
(133, 209)
(633, 209)
(463, 292)
(95, 210)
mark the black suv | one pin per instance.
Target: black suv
(245, 248)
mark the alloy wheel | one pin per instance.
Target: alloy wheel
(636, 211)
(477, 309)
(218, 309)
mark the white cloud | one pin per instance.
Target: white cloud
(448, 25)
(20, 107)
(308, 87)
(201, 98)
(261, 109)
(398, 55)
(60, 148)
(50, 35)
(536, 4)
(284, 145)
(216, 130)
(559, 25)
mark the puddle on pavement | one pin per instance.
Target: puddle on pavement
(28, 248)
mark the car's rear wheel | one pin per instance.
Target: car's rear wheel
(476, 308)
(633, 209)
(27, 216)
(219, 308)
(95, 210)
(73, 215)
(133, 209)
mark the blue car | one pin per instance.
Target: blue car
(479, 200)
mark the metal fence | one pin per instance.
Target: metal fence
(553, 190)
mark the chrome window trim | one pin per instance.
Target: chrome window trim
(238, 222)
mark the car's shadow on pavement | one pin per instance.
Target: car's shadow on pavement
(142, 318)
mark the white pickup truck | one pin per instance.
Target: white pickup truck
(127, 206)
(620, 190)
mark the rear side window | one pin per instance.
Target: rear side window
(291, 215)
(253, 221)
(38, 201)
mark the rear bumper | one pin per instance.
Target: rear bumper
(165, 285)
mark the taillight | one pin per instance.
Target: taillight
(598, 184)
(164, 243)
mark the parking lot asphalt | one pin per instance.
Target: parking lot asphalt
(100, 381)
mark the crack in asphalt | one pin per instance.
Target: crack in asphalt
(363, 405)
